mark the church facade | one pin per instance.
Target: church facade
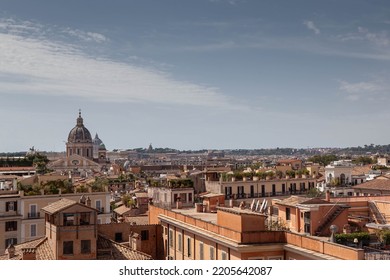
(83, 154)
(80, 143)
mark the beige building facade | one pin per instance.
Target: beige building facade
(236, 189)
(21, 217)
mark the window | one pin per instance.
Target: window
(190, 197)
(10, 241)
(11, 226)
(68, 248)
(288, 214)
(188, 247)
(144, 235)
(201, 252)
(179, 242)
(33, 230)
(11, 206)
(170, 237)
(68, 219)
(85, 218)
(212, 253)
(275, 258)
(98, 205)
(85, 246)
(33, 214)
(118, 237)
(224, 255)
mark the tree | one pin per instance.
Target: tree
(363, 160)
(324, 160)
(314, 192)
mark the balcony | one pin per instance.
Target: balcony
(34, 215)
(100, 210)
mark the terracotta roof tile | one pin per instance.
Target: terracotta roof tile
(380, 183)
(58, 205)
(40, 246)
(121, 210)
(361, 170)
(111, 250)
(295, 200)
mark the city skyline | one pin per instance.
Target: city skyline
(191, 75)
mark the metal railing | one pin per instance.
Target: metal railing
(33, 215)
(375, 254)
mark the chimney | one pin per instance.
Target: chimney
(29, 254)
(327, 196)
(10, 251)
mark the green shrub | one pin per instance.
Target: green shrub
(344, 238)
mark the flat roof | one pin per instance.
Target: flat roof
(208, 217)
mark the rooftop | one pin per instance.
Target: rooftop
(40, 246)
(379, 183)
(208, 217)
(59, 205)
(106, 250)
(296, 200)
(111, 250)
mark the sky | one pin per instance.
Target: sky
(195, 74)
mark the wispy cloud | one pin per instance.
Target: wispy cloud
(86, 36)
(311, 26)
(361, 87)
(231, 2)
(360, 90)
(378, 39)
(40, 66)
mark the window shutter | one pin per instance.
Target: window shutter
(6, 206)
(15, 206)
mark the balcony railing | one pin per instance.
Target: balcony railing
(34, 215)
(100, 210)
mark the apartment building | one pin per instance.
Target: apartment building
(71, 233)
(238, 234)
(339, 172)
(21, 217)
(171, 197)
(311, 216)
(251, 188)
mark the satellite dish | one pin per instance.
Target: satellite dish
(333, 229)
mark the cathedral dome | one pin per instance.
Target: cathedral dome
(79, 134)
(97, 141)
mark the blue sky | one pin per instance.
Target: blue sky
(201, 74)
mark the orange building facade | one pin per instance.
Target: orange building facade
(238, 234)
